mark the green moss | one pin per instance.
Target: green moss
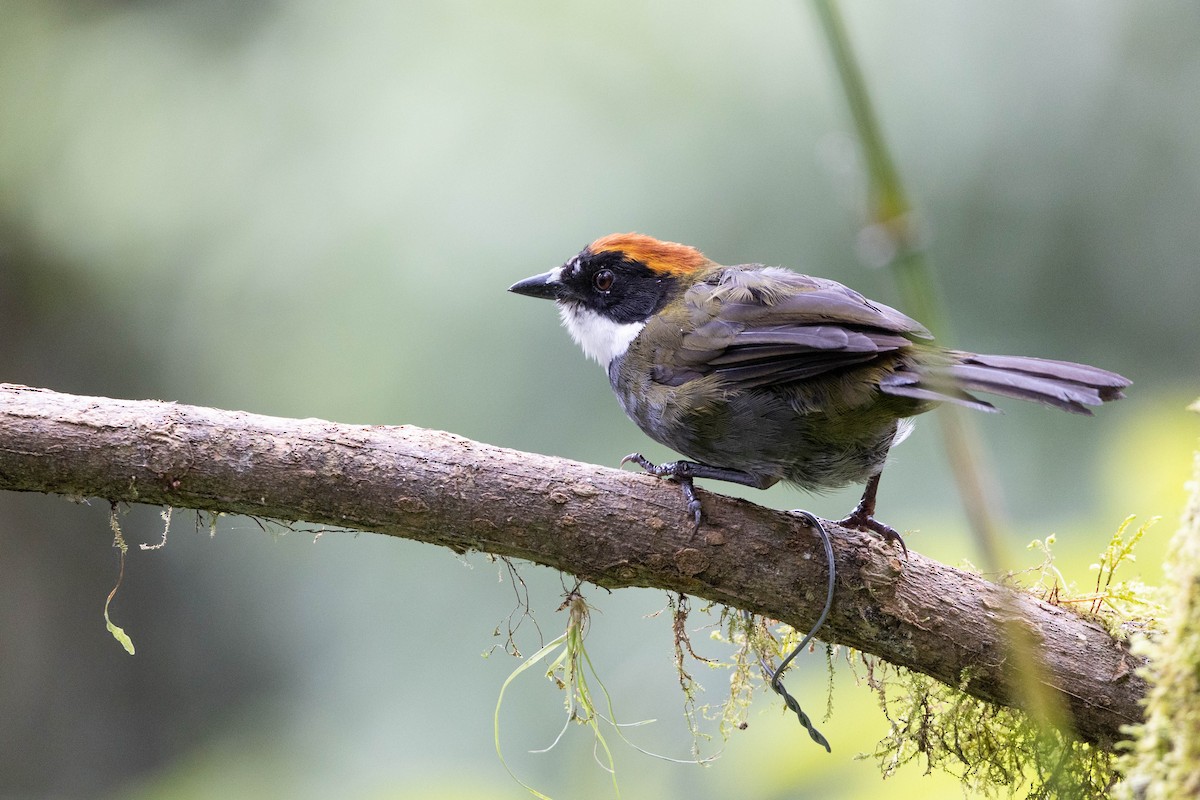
(1164, 758)
(1123, 607)
(998, 751)
(995, 751)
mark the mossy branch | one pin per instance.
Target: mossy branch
(608, 527)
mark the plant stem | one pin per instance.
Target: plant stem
(890, 212)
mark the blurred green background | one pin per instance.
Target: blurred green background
(313, 209)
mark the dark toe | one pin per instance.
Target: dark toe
(868, 523)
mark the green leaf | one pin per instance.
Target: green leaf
(529, 662)
(118, 542)
(118, 632)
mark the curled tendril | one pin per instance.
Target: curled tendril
(775, 677)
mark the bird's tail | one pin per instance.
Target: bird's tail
(1062, 384)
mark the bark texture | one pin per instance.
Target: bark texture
(608, 527)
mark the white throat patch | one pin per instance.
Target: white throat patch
(600, 337)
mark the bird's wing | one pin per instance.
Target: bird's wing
(763, 326)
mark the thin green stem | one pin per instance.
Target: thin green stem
(889, 199)
(891, 213)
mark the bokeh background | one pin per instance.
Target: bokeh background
(313, 209)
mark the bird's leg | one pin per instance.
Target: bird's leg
(863, 516)
(682, 472)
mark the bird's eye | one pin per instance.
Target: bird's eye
(603, 280)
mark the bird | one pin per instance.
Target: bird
(758, 374)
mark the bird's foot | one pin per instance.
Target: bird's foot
(862, 520)
(679, 471)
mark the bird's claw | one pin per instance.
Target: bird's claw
(863, 521)
(640, 460)
(677, 472)
(693, 502)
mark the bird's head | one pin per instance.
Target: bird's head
(607, 292)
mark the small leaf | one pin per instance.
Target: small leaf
(118, 632)
(118, 542)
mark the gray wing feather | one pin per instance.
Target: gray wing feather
(762, 326)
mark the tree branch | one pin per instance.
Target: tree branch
(608, 527)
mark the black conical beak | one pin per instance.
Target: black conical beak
(545, 286)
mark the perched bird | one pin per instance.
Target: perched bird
(760, 374)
